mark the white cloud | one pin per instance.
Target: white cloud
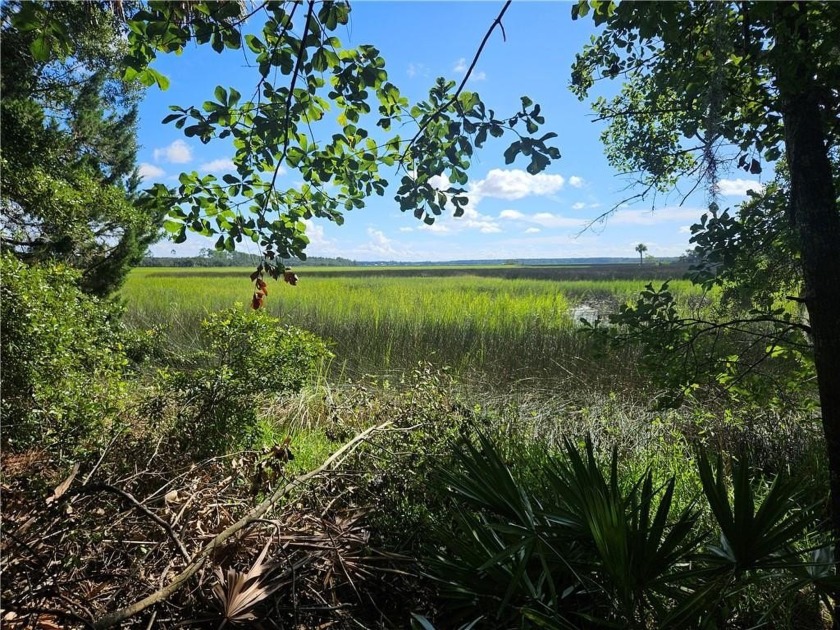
(472, 219)
(437, 227)
(578, 206)
(576, 182)
(685, 229)
(549, 220)
(217, 166)
(178, 153)
(379, 243)
(543, 219)
(461, 66)
(150, 171)
(440, 182)
(319, 244)
(738, 187)
(515, 184)
(406, 229)
(532, 230)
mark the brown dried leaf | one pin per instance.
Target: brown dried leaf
(239, 592)
(61, 488)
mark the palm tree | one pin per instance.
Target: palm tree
(641, 248)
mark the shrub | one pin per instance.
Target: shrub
(249, 357)
(63, 363)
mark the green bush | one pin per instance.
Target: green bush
(63, 363)
(250, 356)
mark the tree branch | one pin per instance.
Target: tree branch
(287, 118)
(135, 503)
(428, 119)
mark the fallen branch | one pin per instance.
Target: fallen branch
(111, 619)
(135, 503)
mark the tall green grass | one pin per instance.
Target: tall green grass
(491, 328)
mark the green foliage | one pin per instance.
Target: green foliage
(394, 481)
(756, 357)
(693, 76)
(305, 78)
(592, 547)
(69, 126)
(250, 356)
(63, 360)
(751, 254)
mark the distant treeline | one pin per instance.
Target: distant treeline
(211, 258)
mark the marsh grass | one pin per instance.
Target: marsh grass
(498, 329)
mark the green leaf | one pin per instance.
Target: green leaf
(41, 47)
(254, 43)
(150, 76)
(512, 151)
(173, 227)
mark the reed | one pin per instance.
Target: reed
(496, 329)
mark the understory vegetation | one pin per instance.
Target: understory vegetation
(561, 500)
(640, 446)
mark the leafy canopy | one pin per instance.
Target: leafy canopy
(325, 110)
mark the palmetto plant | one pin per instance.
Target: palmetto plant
(759, 539)
(239, 593)
(635, 545)
(592, 549)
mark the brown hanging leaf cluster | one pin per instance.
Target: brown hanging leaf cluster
(261, 288)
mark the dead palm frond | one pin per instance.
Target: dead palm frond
(238, 593)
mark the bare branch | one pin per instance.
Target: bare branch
(135, 503)
(437, 112)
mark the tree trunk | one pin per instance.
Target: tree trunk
(814, 213)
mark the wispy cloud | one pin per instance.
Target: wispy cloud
(532, 230)
(177, 153)
(576, 182)
(379, 243)
(417, 69)
(438, 227)
(218, 166)
(543, 219)
(461, 66)
(578, 206)
(646, 217)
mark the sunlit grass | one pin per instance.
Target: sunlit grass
(501, 329)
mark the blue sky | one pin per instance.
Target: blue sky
(511, 214)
